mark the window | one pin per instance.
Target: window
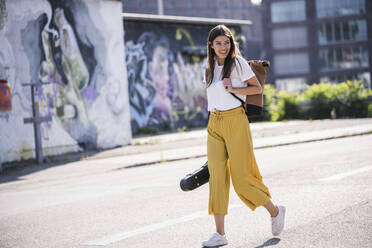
(353, 30)
(291, 84)
(337, 32)
(169, 6)
(343, 58)
(289, 37)
(288, 11)
(291, 63)
(223, 4)
(331, 8)
(364, 77)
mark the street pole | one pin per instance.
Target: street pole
(36, 119)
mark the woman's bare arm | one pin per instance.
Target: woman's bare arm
(253, 88)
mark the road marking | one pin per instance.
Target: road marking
(146, 229)
(346, 174)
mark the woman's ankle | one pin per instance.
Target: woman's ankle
(275, 213)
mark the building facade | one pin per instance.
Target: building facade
(224, 9)
(312, 41)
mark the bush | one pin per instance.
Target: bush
(318, 101)
(369, 110)
(268, 102)
(285, 107)
(319, 98)
(351, 99)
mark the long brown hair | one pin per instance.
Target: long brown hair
(211, 55)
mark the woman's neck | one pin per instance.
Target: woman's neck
(220, 61)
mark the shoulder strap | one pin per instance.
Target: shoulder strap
(240, 100)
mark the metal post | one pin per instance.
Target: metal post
(36, 119)
(37, 132)
(160, 7)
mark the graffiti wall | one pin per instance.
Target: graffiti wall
(165, 65)
(76, 48)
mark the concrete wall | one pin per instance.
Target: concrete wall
(78, 47)
(165, 64)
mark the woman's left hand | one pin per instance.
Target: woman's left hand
(227, 84)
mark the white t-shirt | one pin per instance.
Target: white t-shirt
(218, 97)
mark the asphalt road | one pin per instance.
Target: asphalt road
(326, 187)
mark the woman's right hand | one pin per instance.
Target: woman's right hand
(227, 83)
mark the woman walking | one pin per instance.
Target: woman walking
(230, 148)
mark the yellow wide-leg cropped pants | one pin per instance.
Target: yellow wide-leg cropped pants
(230, 152)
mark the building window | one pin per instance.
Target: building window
(343, 58)
(331, 33)
(289, 37)
(291, 63)
(223, 4)
(364, 77)
(288, 11)
(291, 84)
(331, 8)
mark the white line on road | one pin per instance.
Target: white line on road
(121, 236)
(346, 174)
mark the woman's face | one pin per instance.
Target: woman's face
(158, 69)
(221, 46)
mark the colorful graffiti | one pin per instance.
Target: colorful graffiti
(69, 46)
(3, 13)
(165, 64)
(67, 73)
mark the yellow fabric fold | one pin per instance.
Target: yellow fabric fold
(230, 155)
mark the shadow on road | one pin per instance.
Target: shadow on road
(13, 171)
(270, 242)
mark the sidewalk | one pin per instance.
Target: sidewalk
(192, 144)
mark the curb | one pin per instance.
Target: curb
(169, 155)
(261, 143)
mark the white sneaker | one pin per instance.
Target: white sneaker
(215, 241)
(277, 223)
